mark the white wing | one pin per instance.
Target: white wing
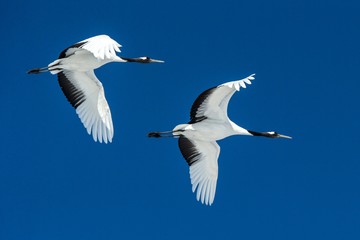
(102, 47)
(86, 94)
(213, 103)
(202, 158)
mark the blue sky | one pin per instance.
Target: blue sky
(56, 183)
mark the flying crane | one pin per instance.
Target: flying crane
(209, 122)
(75, 70)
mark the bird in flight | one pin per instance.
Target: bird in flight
(75, 70)
(209, 122)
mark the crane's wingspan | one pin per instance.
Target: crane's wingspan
(202, 158)
(102, 47)
(86, 94)
(213, 103)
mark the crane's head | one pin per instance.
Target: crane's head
(142, 60)
(276, 135)
(271, 134)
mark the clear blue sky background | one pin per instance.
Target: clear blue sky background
(57, 183)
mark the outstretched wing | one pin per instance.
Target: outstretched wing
(86, 94)
(213, 103)
(202, 158)
(102, 47)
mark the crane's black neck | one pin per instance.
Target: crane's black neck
(137, 60)
(261, 134)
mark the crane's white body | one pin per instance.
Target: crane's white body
(210, 130)
(209, 122)
(80, 61)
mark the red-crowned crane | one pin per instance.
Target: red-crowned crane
(75, 70)
(209, 122)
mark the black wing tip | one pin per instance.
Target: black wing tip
(197, 119)
(188, 150)
(74, 95)
(64, 54)
(197, 104)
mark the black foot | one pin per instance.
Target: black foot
(154, 134)
(34, 71)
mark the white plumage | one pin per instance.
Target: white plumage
(209, 122)
(75, 69)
